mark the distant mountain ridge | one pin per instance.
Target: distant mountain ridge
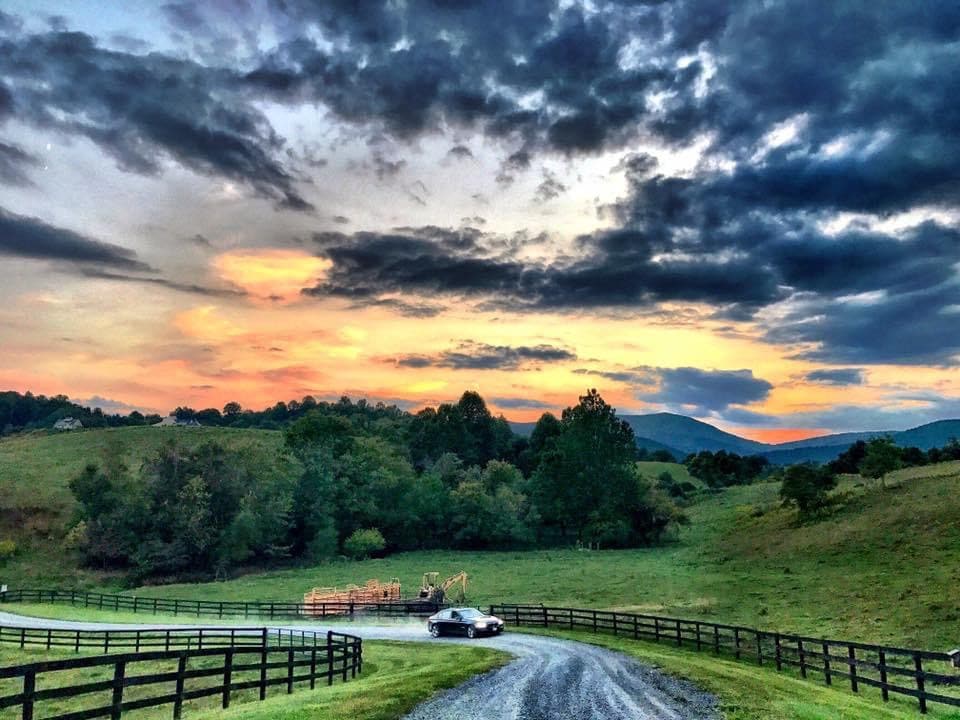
(682, 435)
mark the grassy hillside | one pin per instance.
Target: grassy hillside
(36, 504)
(883, 567)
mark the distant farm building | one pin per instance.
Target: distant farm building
(68, 423)
(173, 420)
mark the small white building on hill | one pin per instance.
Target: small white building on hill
(68, 423)
(173, 420)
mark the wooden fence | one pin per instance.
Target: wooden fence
(218, 609)
(169, 666)
(922, 674)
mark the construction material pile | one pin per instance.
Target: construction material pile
(336, 601)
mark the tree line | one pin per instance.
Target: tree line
(361, 480)
(807, 486)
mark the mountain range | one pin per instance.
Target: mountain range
(682, 435)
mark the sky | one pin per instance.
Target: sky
(744, 212)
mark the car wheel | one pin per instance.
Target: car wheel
(471, 632)
(435, 630)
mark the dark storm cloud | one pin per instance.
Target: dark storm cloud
(912, 328)
(139, 108)
(461, 152)
(480, 356)
(28, 237)
(14, 162)
(707, 391)
(549, 188)
(837, 376)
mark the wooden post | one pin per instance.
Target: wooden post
(76, 644)
(49, 637)
(571, 618)
(138, 641)
(289, 671)
(759, 648)
(227, 676)
(778, 651)
(29, 689)
(656, 629)
(803, 658)
(826, 664)
(346, 652)
(116, 706)
(166, 641)
(736, 643)
(679, 636)
(921, 692)
(545, 618)
(636, 629)
(313, 666)
(263, 664)
(716, 640)
(106, 642)
(852, 654)
(594, 620)
(697, 625)
(884, 692)
(178, 700)
(329, 657)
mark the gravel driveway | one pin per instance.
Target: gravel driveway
(550, 679)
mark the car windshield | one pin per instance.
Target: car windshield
(470, 613)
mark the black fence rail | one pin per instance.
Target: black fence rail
(218, 609)
(191, 665)
(928, 676)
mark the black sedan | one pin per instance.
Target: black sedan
(463, 621)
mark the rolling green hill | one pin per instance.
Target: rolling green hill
(883, 567)
(36, 504)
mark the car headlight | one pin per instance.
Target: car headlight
(480, 624)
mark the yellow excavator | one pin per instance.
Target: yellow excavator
(438, 592)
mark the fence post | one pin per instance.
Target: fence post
(697, 625)
(29, 689)
(227, 676)
(178, 700)
(313, 665)
(921, 693)
(759, 648)
(679, 635)
(329, 657)
(76, 644)
(736, 643)
(716, 640)
(636, 630)
(289, 671)
(595, 621)
(803, 658)
(358, 647)
(852, 654)
(263, 664)
(614, 620)
(778, 651)
(49, 637)
(571, 618)
(106, 642)
(826, 664)
(23, 637)
(656, 629)
(116, 707)
(884, 692)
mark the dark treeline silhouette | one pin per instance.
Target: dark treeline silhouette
(33, 412)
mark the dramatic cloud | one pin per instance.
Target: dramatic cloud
(704, 392)
(480, 356)
(837, 376)
(32, 238)
(140, 108)
(14, 162)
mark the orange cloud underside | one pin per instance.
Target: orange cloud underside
(271, 274)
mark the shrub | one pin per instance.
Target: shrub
(8, 548)
(806, 486)
(364, 543)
